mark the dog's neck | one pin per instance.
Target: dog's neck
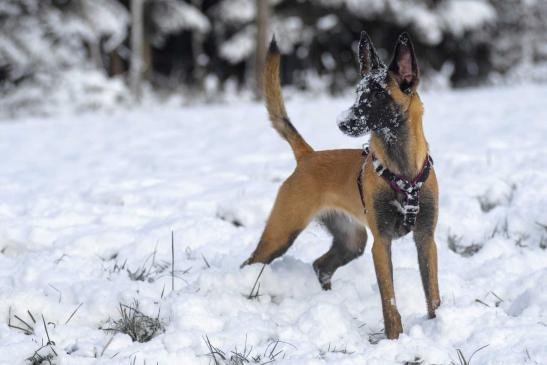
(403, 150)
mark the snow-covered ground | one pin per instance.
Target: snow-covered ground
(84, 199)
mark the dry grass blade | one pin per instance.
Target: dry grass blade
(461, 357)
(73, 313)
(172, 261)
(31, 316)
(499, 300)
(206, 262)
(58, 292)
(481, 302)
(25, 323)
(213, 351)
(106, 346)
(253, 294)
(25, 331)
(49, 342)
(24, 327)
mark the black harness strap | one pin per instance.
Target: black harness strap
(360, 177)
(410, 189)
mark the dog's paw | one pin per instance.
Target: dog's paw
(246, 262)
(326, 286)
(323, 277)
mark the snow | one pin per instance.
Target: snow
(470, 14)
(429, 22)
(74, 90)
(240, 46)
(172, 16)
(237, 11)
(83, 194)
(107, 17)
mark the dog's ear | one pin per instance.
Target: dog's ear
(368, 59)
(404, 64)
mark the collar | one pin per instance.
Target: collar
(409, 188)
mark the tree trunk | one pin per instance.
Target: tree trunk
(199, 72)
(262, 8)
(116, 63)
(137, 61)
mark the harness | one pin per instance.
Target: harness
(410, 189)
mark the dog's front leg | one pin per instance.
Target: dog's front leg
(427, 260)
(381, 253)
(424, 234)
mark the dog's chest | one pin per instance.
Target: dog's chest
(388, 210)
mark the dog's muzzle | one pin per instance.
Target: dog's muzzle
(352, 122)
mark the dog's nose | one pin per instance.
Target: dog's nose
(351, 127)
(344, 127)
(348, 123)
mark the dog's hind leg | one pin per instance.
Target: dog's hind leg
(349, 241)
(294, 208)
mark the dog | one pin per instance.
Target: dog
(391, 187)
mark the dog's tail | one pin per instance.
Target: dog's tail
(276, 105)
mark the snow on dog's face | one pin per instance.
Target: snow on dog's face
(379, 105)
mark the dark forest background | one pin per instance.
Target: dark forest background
(92, 53)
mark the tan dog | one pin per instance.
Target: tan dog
(392, 188)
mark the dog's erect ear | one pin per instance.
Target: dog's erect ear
(404, 64)
(368, 59)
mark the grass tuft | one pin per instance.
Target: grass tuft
(334, 350)
(45, 354)
(246, 355)
(543, 238)
(501, 228)
(455, 245)
(150, 270)
(230, 219)
(376, 336)
(417, 361)
(486, 203)
(137, 325)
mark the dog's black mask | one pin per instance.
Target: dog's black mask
(374, 108)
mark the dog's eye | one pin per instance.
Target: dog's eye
(406, 87)
(378, 96)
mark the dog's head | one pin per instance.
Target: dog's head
(384, 92)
